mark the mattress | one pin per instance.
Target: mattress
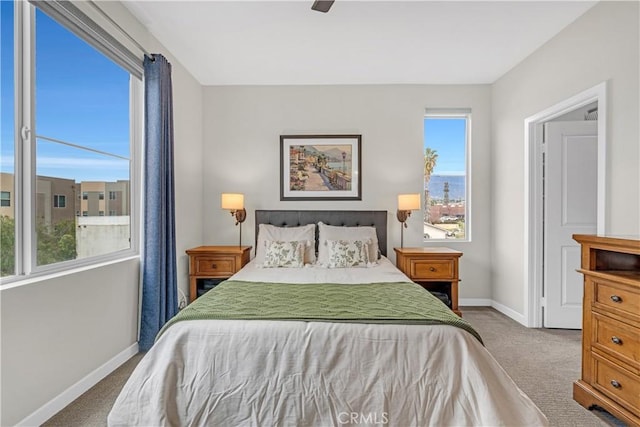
(235, 372)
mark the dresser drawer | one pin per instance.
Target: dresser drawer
(432, 269)
(619, 384)
(617, 297)
(616, 338)
(214, 266)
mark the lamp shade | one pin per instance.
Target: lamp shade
(408, 202)
(232, 201)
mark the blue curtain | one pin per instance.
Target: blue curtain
(159, 280)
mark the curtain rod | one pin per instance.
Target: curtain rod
(122, 30)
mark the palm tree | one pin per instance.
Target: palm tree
(430, 158)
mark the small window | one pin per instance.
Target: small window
(5, 198)
(446, 177)
(85, 213)
(113, 213)
(112, 195)
(101, 195)
(100, 213)
(59, 201)
(85, 195)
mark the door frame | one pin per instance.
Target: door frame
(533, 212)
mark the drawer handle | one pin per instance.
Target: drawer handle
(432, 269)
(616, 298)
(616, 384)
(616, 340)
(214, 265)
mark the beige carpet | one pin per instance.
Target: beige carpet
(543, 362)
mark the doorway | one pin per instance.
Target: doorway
(557, 190)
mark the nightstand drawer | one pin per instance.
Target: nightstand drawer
(431, 269)
(617, 383)
(211, 266)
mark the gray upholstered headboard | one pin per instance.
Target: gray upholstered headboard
(377, 219)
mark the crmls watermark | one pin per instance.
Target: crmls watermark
(362, 418)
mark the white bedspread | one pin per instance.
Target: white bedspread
(289, 373)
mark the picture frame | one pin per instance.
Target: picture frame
(320, 167)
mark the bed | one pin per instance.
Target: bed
(299, 346)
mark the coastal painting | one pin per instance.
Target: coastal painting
(320, 167)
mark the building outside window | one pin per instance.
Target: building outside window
(112, 195)
(101, 196)
(59, 201)
(5, 198)
(446, 175)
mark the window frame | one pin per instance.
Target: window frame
(456, 113)
(25, 142)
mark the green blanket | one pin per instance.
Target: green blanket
(395, 303)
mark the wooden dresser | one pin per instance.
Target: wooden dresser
(610, 326)
(435, 269)
(210, 265)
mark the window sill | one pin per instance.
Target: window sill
(43, 276)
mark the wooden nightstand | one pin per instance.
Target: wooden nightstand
(435, 269)
(210, 265)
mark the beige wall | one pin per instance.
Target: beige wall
(242, 148)
(602, 45)
(58, 330)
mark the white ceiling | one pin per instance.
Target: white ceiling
(356, 42)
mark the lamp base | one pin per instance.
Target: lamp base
(240, 215)
(402, 217)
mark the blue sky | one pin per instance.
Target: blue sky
(447, 137)
(81, 98)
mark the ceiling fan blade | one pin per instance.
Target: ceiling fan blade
(322, 5)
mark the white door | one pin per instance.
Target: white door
(570, 207)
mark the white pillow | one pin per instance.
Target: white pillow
(331, 232)
(284, 254)
(347, 253)
(305, 233)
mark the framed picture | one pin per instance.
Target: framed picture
(320, 167)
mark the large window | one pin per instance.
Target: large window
(446, 175)
(68, 133)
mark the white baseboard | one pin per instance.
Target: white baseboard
(520, 318)
(59, 402)
(474, 302)
(485, 302)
